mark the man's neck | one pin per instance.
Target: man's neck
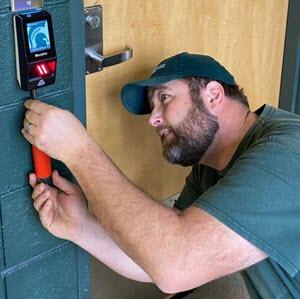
(232, 131)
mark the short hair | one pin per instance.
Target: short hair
(234, 92)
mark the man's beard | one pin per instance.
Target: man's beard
(189, 141)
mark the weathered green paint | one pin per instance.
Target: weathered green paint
(53, 276)
(33, 263)
(23, 236)
(2, 288)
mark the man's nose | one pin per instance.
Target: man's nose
(156, 118)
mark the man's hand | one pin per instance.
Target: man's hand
(54, 131)
(62, 210)
(64, 214)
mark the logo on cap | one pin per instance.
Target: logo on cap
(160, 66)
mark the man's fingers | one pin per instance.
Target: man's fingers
(27, 135)
(46, 214)
(36, 106)
(63, 184)
(25, 123)
(44, 211)
(38, 190)
(32, 180)
(41, 199)
(32, 117)
(29, 127)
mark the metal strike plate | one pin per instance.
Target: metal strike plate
(94, 59)
(93, 37)
(23, 5)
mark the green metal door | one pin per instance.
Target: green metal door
(33, 263)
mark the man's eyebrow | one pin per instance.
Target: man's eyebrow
(159, 87)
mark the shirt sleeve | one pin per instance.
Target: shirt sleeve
(190, 192)
(259, 198)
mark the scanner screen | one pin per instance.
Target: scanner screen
(38, 36)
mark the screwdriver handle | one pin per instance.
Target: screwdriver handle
(42, 166)
(41, 162)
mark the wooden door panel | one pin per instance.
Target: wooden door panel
(246, 36)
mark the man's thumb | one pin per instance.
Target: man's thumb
(61, 183)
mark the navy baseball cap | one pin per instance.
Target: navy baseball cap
(134, 94)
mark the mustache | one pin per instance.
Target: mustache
(163, 130)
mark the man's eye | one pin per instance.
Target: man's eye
(164, 97)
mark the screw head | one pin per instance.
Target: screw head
(93, 21)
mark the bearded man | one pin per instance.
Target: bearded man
(238, 211)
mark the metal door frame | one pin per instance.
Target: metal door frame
(289, 98)
(77, 25)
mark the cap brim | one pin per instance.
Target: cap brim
(134, 94)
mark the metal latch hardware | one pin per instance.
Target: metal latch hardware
(23, 5)
(94, 58)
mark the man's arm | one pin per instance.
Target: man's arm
(178, 252)
(96, 241)
(63, 212)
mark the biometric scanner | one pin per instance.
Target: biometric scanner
(35, 49)
(35, 63)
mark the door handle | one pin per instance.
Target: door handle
(105, 61)
(94, 58)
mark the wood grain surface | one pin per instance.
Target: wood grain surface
(246, 36)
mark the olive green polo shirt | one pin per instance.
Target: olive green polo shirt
(258, 196)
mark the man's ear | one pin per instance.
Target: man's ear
(214, 92)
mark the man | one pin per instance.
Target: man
(238, 210)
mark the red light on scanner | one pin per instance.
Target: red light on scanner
(45, 68)
(52, 65)
(42, 69)
(41, 73)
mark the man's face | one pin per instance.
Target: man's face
(185, 126)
